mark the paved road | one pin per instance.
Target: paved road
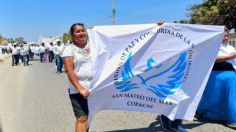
(34, 99)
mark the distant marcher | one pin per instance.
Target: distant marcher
(24, 55)
(1, 49)
(4, 49)
(31, 53)
(15, 54)
(58, 52)
(42, 51)
(50, 52)
(27, 54)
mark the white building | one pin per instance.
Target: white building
(47, 40)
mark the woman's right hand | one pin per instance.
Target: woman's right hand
(84, 92)
(161, 22)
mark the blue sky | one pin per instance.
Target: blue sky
(32, 18)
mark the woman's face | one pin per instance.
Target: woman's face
(226, 38)
(80, 35)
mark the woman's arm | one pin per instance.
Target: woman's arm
(69, 68)
(226, 57)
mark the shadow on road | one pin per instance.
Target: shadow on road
(1, 127)
(155, 127)
(203, 120)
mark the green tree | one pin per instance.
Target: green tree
(1, 39)
(232, 35)
(182, 21)
(65, 38)
(214, 12)
(227, 9)
(69, 36)
(206, 15)
(20, 40)
(11, 40)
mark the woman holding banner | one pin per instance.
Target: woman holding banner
(77, 64)
(165, 122)
(218, 100)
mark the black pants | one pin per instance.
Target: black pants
(175, 123)
(51, 56)
(15, 59)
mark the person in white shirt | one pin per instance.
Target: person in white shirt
(58, 52)
(24, 52)
(227, 53)
(42, 51)
(50, 54)
(15, 54)
(27, 54)
(218, 100)
(1, 48)
(77, 64)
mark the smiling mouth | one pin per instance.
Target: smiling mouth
(82, 36)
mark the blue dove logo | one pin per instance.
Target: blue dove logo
(150, 79)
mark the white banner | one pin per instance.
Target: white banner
(151, 68)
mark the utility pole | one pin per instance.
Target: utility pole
(113, 12)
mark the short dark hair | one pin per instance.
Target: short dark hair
(72, 29)
(75, 24)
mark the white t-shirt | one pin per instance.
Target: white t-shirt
(50, 47)
(1, 47)
(226, 49)
(34, 49)
(26, 48)
(15, 50)
(58, 49)
(42, 49)
(22, 51)
(82, 63)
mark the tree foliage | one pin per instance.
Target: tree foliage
(214, 12)
(182, 21)
(65, 38)
(232, 35)
(1, 39)
(20, 40)
(227, 9)
(11, 40)
(206, 15)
